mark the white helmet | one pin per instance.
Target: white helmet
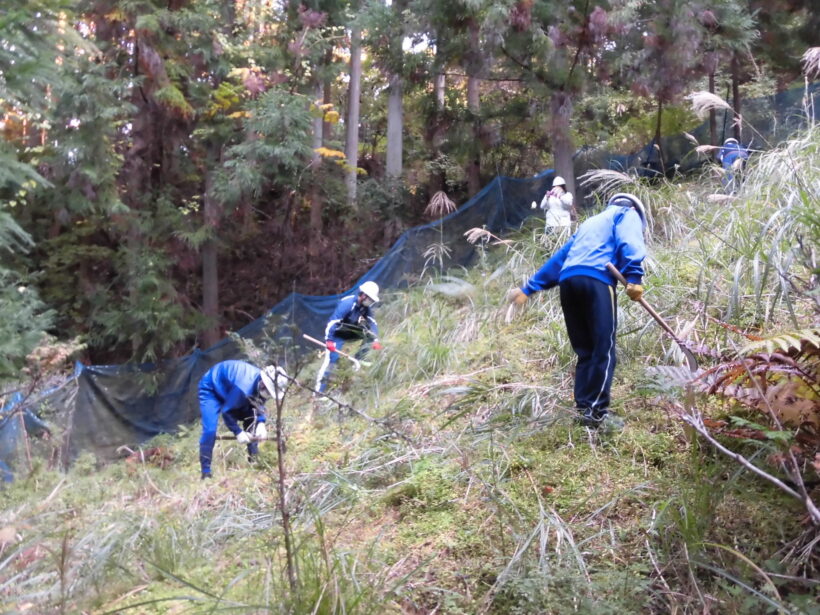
(631, 201)
(275, 381)
(371, 289)
(558, 181)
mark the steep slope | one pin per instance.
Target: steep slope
(450, 476)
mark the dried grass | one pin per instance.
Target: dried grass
(606, 181)
(811, 62)
(704, 102)
(440, 205)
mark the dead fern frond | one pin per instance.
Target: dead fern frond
(778, 376)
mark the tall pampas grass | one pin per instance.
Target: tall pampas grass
(811, 62)
(440, 205)
(605, 180)
(704, 102)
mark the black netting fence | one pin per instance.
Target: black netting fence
(119, 405)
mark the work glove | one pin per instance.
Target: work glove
(331, 345)
(261, 431)
(518, 297)
(243, 437)
(634, 291)
(376, 345)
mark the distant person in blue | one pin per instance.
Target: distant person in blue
(237, 391)
(352, 320)
(733, 157)
(588, 298)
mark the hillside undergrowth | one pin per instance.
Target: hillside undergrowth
(451, 477)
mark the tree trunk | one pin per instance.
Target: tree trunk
(712, 114)
(393, 163)
(474, 163)
(327, 98)
(562, 145)
(658, 144)
(473, 169)
(314, 193)
(140, 157)
(210, 274)
(438, 178)
(736, 96)
(352, 128)
(441, 91)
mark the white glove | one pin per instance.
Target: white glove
(243, 437)
(261, 432)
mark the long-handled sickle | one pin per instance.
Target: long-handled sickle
(690, 358)
(357, 365)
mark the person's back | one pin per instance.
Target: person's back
(731, 153)
(233, 390)
(587, 295)
(733, 157)
(228, 375)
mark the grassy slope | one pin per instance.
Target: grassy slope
(489, 500)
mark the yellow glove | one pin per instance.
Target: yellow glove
(634, 291)
(518, 297)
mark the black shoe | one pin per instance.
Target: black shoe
(592, 417)
(206, 475)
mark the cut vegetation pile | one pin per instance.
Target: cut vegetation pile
(456, 480)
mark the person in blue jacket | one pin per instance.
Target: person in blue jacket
(588, 299)
(733, 157)
(351, 320)
(237, 391)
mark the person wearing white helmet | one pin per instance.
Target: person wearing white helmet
(351, 320)
(588, 298)
(733, 157)
(237, 391)
(557, 205)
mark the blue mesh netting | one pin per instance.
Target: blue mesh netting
(121, 404)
